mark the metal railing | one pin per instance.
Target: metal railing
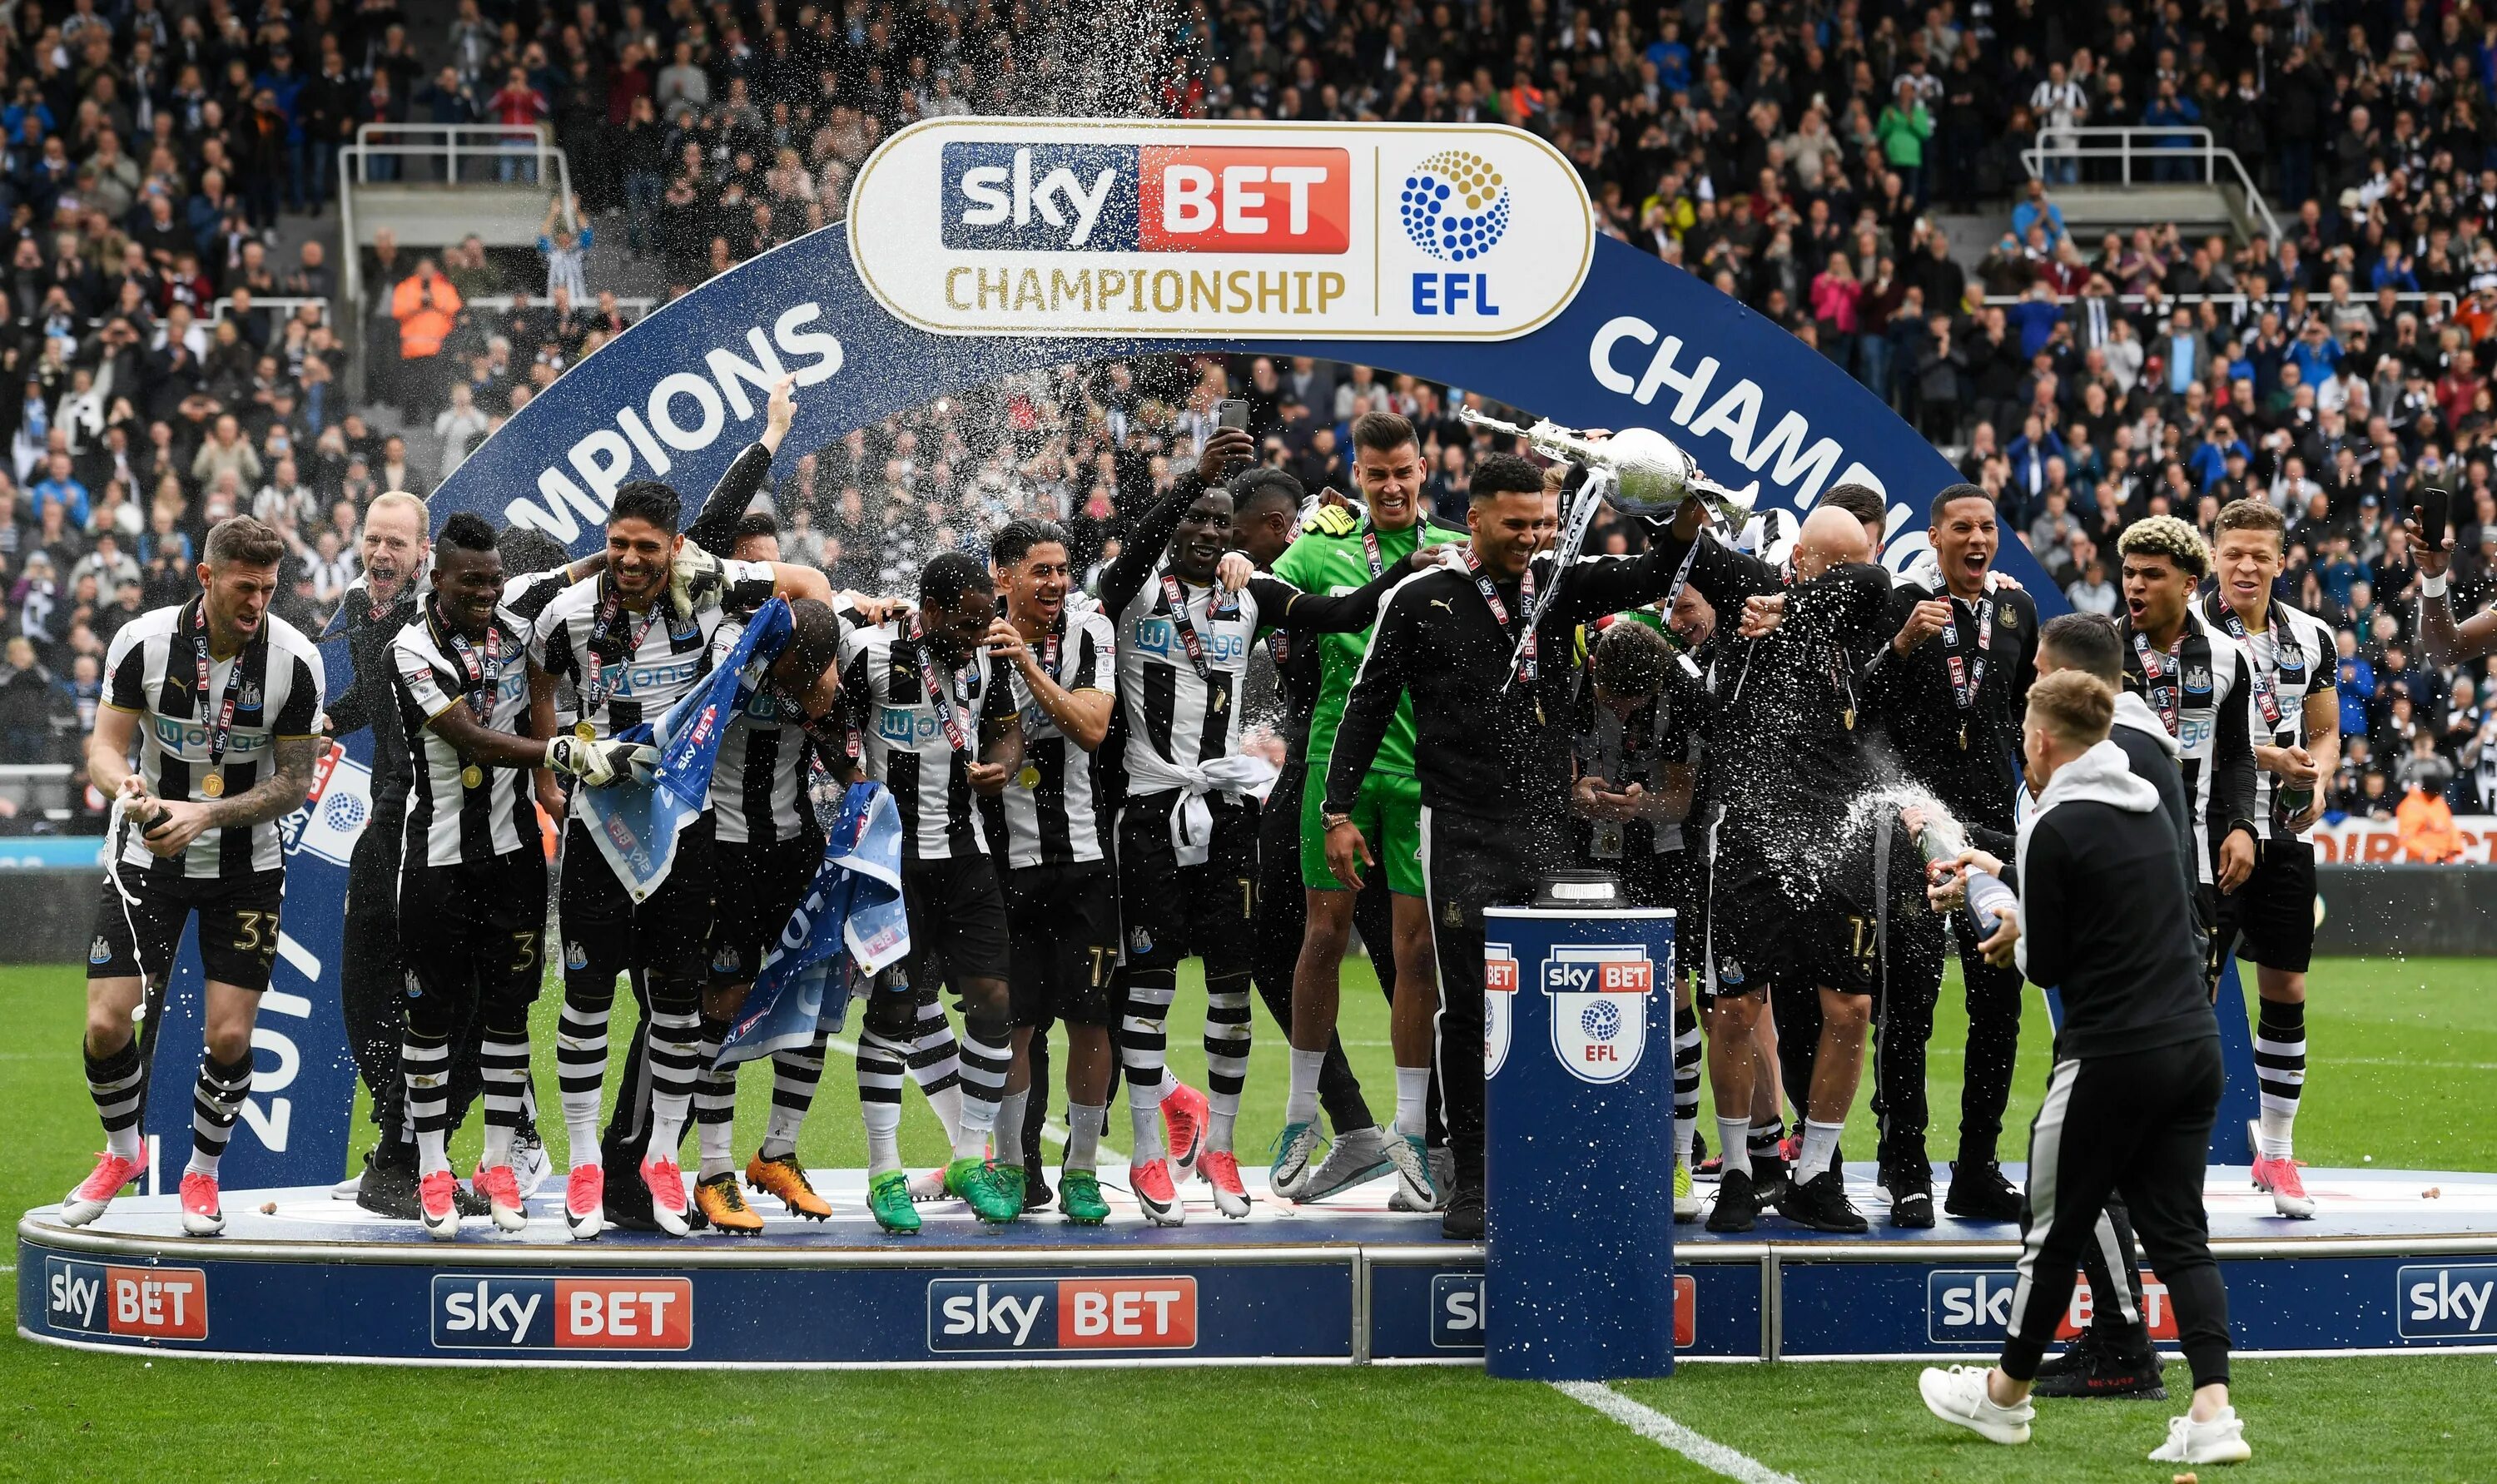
(2440, 301)
(635, 307)
(283, 308)
(45, 788)
(458, 154)
(2207, 162)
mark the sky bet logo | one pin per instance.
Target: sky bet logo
(472, 1313)
(1040, 1314)
(95, 1298)
(1974, 1307)
(1148, 198)
(2448, 1303)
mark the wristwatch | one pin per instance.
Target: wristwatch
(1330, 821)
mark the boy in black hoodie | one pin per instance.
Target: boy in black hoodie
(2137, 1078)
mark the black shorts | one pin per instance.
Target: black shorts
(2270, 919)
(1064, 923)
(471, 932)
(1171, 910)
(1821, 935)
(958, 921)
(757, 887)
(605, 933)
(238, 926)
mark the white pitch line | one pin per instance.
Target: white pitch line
(1658, 1429)
(1050, 1130)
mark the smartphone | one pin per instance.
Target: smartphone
(1231, 412)
(2434, 506)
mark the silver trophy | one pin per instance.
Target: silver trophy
(1638, 471)
(1651, 474)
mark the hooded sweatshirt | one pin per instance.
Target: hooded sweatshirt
(2104, 915)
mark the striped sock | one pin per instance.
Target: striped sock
(581, 1069)
(1141, 1046)
(936, 1064)
(215, 1101)
(988, 1051)
(1226, 1053)
(795, 1072)
(503, 1064)
(424, 1067)
(879, 1089)
(715, 1103)
(2280, 1074)
(1686, 1080)
(676, 1062)
(117, 1080)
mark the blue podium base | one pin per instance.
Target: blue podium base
(2394, 1261)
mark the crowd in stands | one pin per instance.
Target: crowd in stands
(1799, 154)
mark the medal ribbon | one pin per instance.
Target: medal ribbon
(593, 689)
(2266, 680)
(2163, 698)
(1526, 665)
(481, 683)
(1967, 675)
(220, 730)
(1187, 637)
(939, 696)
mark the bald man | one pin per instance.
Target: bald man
(1790, 900)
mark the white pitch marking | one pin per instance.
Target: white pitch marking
(1658, 1429)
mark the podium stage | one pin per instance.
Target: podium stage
(2394, 1261)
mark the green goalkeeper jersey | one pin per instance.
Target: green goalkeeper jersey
(1332, 565)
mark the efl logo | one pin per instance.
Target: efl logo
(2447, 1303)
(1040, 1315)
(562, 1314)
(1150, 198)
(1457, 1310)
(1974, 1306)
(144, 1303)
(1599, 999)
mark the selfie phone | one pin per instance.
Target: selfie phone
(2434, 507)
(1231, 412)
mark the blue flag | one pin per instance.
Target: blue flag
(635, 825)
(856, 900)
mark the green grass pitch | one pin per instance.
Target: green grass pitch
(2403, 1056)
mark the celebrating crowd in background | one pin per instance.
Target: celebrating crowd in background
(165, 163)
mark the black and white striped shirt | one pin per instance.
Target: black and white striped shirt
(620, 689)
(905, 742)
(1048, 814)
(2204, 708)
(758, 786)
(275, 681)
(2306, 664)
(450, 822)
(1172, 711)
(525, 597)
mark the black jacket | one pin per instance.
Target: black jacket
(369, 698)
(1482, 746)
(2103, 921)
(1969, 759)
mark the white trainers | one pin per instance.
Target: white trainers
(1354, 1157)
(530, 1166)
(1289, 1174)
(1414, 1191)
(2220, 1441)
(1957, 1396)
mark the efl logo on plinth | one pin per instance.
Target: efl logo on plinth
(1599, 999)
(1499, 997)
(1239, 230)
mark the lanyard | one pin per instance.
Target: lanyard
(2163, 698)
(2266, 680)
(481, 683)
(1968, 674)
(1370, 548)
(595, 690)
(220, 730)
(939, 696)
(1526, 664)
(1049, 651)
(1187, 637)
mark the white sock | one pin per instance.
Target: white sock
(1220, 1122)
(947, 1104)
(1302, 1106)
(1083, 1125)
(1144, 1114)
(1818, 1140)
(1009, 1129)
(498, 1145)
(1735, 1134)
(2272, 1134)
(883, 1136)
(717, 1142)
(1412, 1100)
(125, 1142)
(431, 1154)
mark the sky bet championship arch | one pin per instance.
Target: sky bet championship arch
(974, 248)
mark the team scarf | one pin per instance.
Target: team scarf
(635, 825)
(854, 901)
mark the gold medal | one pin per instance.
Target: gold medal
(214, 785)
(1848, 716)
(1963, 737)
(472, 775)
(1029, 778)
(583, 730)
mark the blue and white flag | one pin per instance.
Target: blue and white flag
(855, 901)
(635, 825)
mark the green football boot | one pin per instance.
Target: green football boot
(888, 1200)
(1079, 1195)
